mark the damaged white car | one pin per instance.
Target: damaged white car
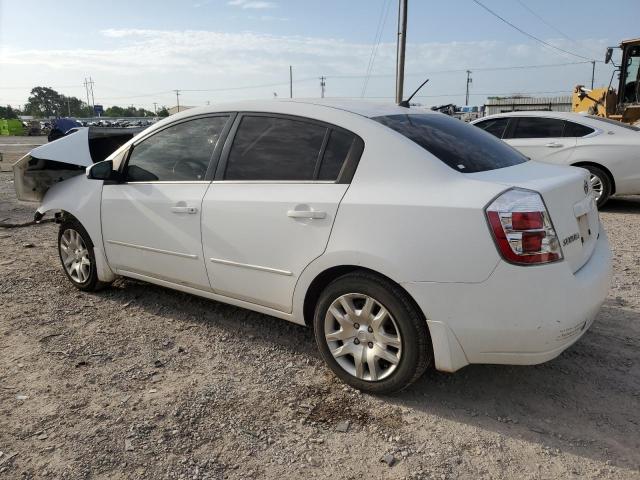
(404, 238)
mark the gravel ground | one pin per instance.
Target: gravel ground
(138, 381)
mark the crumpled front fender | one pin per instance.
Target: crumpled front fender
(81, 198)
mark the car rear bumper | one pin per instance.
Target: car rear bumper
(519, 315)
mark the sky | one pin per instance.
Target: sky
(139, 52)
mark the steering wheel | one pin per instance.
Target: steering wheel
(189, 168)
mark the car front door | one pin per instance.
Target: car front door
(541, 139)
(151, 220)
(270, 210)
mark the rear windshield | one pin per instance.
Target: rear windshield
(461, 146)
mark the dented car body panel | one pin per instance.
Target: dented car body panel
(64, 158)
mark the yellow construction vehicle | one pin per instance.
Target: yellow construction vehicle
(623, 105)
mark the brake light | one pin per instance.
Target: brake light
(522, 228)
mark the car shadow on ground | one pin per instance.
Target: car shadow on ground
(583, 402)
(622, 205)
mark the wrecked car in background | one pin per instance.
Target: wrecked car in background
(64, 158)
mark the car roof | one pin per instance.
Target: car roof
(364, 108)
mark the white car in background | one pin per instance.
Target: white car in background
(610, 150)
(405, 239)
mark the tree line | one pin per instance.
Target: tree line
(45, 102)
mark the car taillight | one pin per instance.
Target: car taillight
(522, 228)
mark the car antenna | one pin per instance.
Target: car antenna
(405, 103)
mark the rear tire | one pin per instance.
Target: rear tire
(371, 334)
(77, 257)
(600, 183)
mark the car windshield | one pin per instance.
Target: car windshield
(615, 122)
(461, 146)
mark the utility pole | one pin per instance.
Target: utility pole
(469, 81)
(93, 101)
(86, 89)
(155, 108)
(322, 85)
(593, 72)
(177, 99)
(402, 43)
(68, 108)
(290, 81)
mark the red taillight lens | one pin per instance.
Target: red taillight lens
(522, 228)
(526, 220)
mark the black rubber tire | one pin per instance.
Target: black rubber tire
(417, 353)
(92, 284)
(606, 183)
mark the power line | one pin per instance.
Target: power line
(552, 27)
(382, 21)
(463, 70)
(533, 37)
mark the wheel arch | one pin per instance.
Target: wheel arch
(81, 198)
(586, 163)
(324, 278)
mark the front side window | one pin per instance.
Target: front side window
(494, 126)
(538, 127)
(459, 145)
(275, 148)
(178, 153)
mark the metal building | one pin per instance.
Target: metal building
(514, 104)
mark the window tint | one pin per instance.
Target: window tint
(537, 127)
(495, 127)
(335, 154)
(271, 148)
(178, 153)
(461, 146)
(576, 130)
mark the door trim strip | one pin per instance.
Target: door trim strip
(155, 250)
(253, 267)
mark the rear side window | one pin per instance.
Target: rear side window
(538, 127)
(273, 148)
(178, 153)
(576, 130)
(461, 146)
(335, 154)
(495, 126)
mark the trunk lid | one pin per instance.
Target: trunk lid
(569, 200)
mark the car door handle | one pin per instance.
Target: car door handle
(553, 145)
(184, 209)
(306, 214)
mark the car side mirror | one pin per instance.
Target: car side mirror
(102, 171)
(608, 55)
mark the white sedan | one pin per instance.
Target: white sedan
(404, 239)
(610, 150)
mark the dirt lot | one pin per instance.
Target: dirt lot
(138, 381)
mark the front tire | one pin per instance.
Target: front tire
(77, 256)
(370, 333)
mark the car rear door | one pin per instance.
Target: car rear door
(270, 210)
(541, 139)
(151, 220)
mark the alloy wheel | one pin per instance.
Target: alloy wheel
(596, 185)
(75, 256)
(363, 337)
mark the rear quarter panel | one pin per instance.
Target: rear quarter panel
(409, 217)
(621, 159)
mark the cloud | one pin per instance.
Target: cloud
(145, 61)
(251, 4)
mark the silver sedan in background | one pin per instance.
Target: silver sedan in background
(609, 149)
